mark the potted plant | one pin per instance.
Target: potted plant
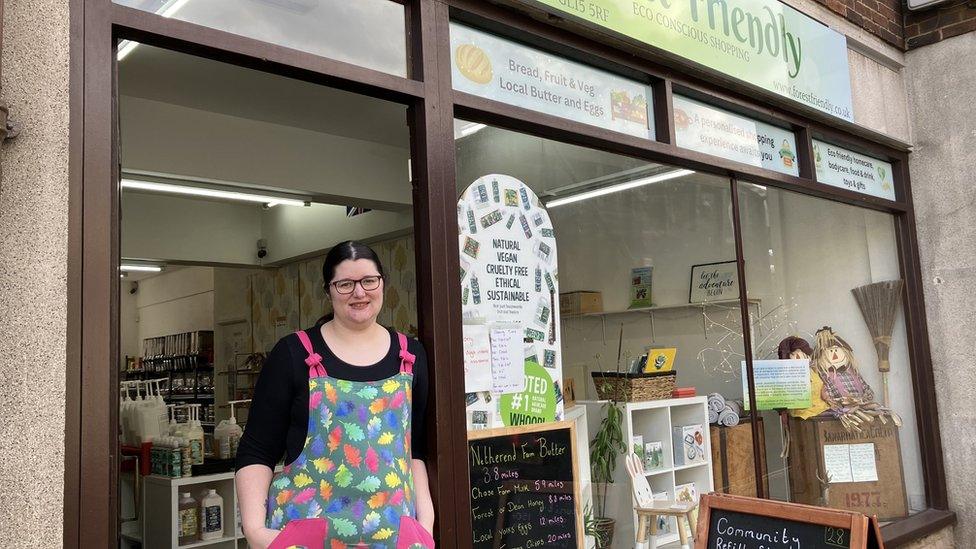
(604, 449)
(589, 523)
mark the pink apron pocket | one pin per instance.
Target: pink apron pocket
(302, 533)
(413, 535)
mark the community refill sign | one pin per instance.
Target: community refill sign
(761, 42)
(849, 170)
(509, 302)
(717, 132)
(495, 68)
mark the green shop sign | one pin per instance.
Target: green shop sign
(761, 42)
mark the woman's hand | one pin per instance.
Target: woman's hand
(428, 524)
(261, 538)
(421, 490)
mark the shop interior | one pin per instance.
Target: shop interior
(235, 183)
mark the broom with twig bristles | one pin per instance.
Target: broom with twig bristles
(879, 305)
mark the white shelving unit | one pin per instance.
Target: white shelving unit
(654, 421)
(162, 496)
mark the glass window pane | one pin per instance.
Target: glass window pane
(805, 259)
(613, 219)
(370, 33)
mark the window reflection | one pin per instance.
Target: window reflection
(370, 33)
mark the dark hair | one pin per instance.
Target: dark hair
(342, 251)
(793, 343)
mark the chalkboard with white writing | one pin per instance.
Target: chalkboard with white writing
(735, 522)
(733, 530)
(524, 491)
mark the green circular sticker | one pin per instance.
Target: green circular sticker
(536, 404)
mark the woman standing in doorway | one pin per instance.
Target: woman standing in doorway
(344, 403)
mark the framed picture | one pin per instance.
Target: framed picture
(714, 282)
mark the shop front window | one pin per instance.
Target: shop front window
(227, 213)
(839, 419)
(605, 265)
(370, 33)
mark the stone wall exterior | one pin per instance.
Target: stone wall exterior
(940, 92)
(33, 283)
(943, 539)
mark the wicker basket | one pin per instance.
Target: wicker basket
(626, 387)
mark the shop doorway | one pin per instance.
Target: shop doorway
(234, 185)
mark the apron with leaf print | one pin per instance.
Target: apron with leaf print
(354, 470)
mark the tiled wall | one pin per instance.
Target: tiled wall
(292, 297)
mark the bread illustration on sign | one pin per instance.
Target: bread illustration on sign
(473, 63)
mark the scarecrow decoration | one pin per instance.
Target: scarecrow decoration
(850, 398)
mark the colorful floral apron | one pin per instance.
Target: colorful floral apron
(352, 484)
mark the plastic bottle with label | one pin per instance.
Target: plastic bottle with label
(211, 516)
(227, 435)
(187, 525)
(194, 434)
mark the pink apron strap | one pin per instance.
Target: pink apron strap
(313, 360)
(406, 357)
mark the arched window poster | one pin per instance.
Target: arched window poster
(509, 295)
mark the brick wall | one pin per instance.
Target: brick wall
(882, 18)
(892, 22)
(930, 26)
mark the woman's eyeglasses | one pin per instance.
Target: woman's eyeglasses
(348, 285)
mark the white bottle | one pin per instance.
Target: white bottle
(147, 417)
(125, 420)
(195, 434)
(211, 516)
(161, 409)
(227, 434)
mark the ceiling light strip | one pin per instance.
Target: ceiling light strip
(619, 187)
(133, 184)
(130, 268)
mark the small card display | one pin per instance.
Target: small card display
(653, 455)
(689, 444)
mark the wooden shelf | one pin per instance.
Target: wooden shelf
(208, 542)
(662, 308)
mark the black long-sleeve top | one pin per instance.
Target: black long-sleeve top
(277, 423)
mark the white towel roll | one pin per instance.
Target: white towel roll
(716, 402)
(728, 417)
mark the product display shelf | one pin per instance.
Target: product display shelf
(653, 308)
(654, 421)
(161, 501)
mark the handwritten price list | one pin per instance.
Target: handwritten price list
(523, 490)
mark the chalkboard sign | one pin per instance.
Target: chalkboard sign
(524, 491)
(733, 522)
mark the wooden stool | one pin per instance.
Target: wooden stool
(647, 522)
